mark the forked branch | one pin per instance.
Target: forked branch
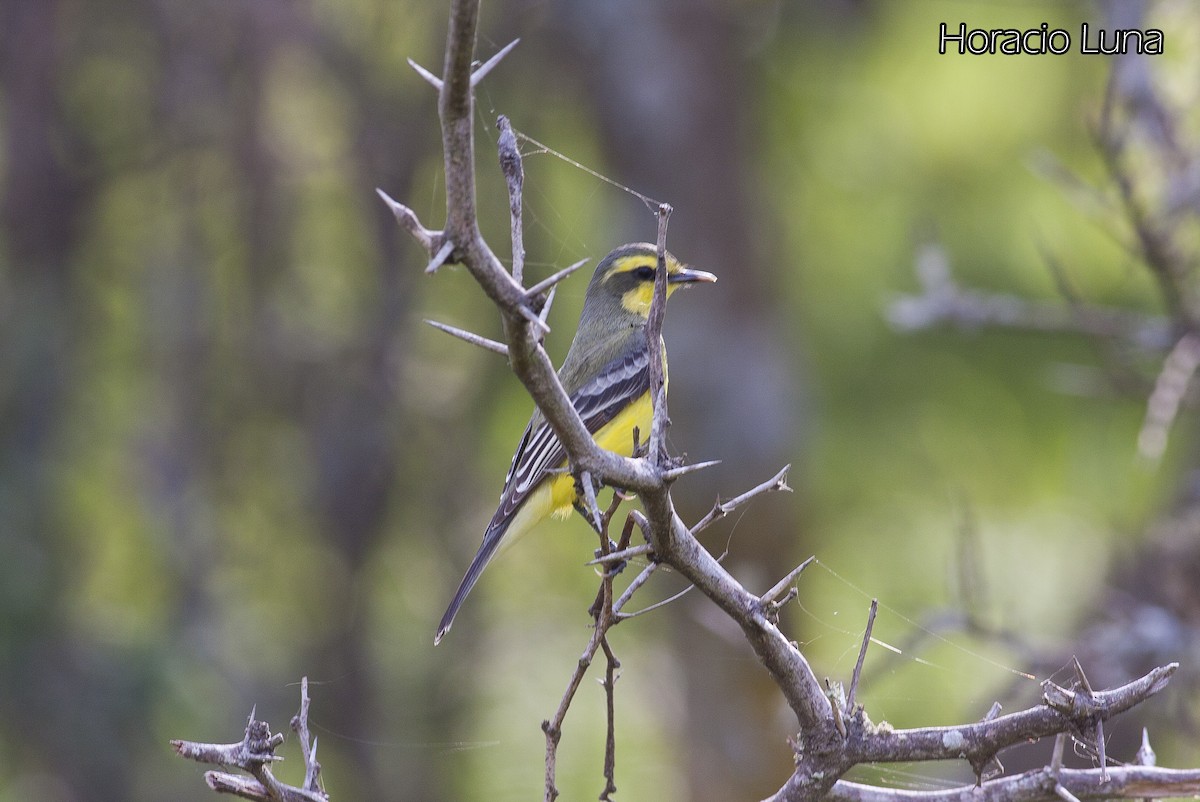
(254, 755)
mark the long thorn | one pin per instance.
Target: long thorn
(440, 257)
(672, 474)
(545, 313)
(532, 317)
(429, 77)
(589, 495)
(622, 555)
(552, 280)
(862, 655)
(785, 583)
(471, 337)
(487, 66)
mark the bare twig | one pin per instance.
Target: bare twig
(308, 747)
(862, 655)
(514, 176)
(407, 219)
(1062, 711)
(723, 508)
(605, 619)
(254, 754)
(943, 301)
(1056, 754)
(1172, 384)
(1126, 782)
(637, 583)
(654, 322)
(552, 727)
(612, 664)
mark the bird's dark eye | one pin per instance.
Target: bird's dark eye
(645, 273)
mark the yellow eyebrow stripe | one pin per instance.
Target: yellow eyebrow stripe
(626, 264)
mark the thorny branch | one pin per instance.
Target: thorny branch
(824, 751)
(254, 754)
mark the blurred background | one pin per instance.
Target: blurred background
(233, 454)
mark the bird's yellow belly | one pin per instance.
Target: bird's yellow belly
(556, 496)
(617, 436)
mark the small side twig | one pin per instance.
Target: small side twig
(299, 725)
(407, 218)
(723, 508)
(604, 617)
(654, 323)
(514, 175)
(862, 655)
(1170, 387)
(610, 743)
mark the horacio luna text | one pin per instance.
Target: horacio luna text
(1044, 40)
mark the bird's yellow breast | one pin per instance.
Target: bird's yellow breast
(616, 435)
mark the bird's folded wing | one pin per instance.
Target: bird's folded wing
(598, 401)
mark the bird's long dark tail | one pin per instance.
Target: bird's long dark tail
(491, 541)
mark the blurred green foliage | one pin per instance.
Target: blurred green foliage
(232, 454)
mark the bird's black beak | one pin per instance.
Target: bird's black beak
(687, 275)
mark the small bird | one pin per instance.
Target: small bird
(607, 376)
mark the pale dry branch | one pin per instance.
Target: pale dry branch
(943, 301)
(254, 754)
(1124, 782)
(722, 508)
(407, 218)
(308, 745)
(654, 322)
(514, 175)
(1178, 370)
(658, 605)
(862, 656)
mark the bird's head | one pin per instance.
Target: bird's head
(623, 283)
